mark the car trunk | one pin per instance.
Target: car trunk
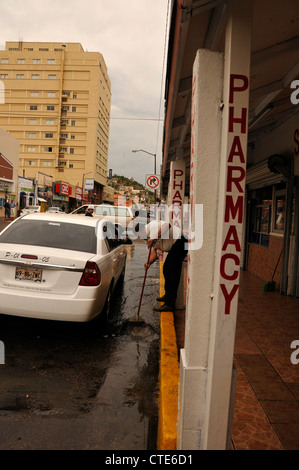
(35, 268)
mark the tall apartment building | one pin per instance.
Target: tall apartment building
(57, 100)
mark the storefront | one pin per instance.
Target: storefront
(7, 193)
(7, 184)
(9, 169)
(78, 196)
(26, 194)
(45, 188)
(272, 222)
(61, 195)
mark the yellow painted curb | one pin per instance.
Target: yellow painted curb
(168, 379)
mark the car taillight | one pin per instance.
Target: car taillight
(91, 275)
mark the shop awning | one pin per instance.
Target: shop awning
(260, 175)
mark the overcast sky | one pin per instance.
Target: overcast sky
(131, 36)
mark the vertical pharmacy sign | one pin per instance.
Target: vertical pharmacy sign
(234, 191)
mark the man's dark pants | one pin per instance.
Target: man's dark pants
(172, 270)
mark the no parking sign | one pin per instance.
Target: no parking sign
(152, 182)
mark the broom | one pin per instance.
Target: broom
(270, 285)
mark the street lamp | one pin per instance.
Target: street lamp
(155, 163)
(145, 151)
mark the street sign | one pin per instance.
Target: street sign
(152, 182)
(89, 184)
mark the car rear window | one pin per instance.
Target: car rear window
(98, 210)
(122, 212)
(51, 234)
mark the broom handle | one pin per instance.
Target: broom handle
(148, 258)
(276, 265)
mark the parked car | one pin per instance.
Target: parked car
(30, 210)
(55, 210)
(121, 215)
(59, 267)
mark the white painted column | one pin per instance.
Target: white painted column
(218, 169)
(204, 175)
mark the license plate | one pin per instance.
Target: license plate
(29, 274)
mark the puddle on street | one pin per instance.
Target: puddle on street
(85, 386)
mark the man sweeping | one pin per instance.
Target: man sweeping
(167, 238)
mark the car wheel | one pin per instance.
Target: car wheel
(122, 276)
(107, 308)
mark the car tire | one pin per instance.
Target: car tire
(107, 307)
(122, 276)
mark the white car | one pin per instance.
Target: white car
(121, 215)
(59, 267)
(55, 210)
(30, 210)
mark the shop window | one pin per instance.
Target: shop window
(261, 215)
(279, 211)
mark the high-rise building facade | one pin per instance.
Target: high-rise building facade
(55, 99)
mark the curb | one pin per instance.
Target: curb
(168, 378)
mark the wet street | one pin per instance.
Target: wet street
(84, 386)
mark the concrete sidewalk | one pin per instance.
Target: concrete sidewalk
(266, 414)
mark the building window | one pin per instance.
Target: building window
(48, 149)
(51, 61)
(51, 77)
(33, 108)
(47, 163)
(72, 150)
(34, 93)
(50, 122)
(4, 61)
(50, 108)
(3, 75)
(31, 163)
(31, 149)
(36, 61)
(51, 94)
(74, 109)
(73, 123)
(20, 76)
(32, 121)
(49, 136)
(35, 76)
(21, 61)
(31, 135)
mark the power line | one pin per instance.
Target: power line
(163, 69)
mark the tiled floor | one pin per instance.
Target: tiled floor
(266, 415)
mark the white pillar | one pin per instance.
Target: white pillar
(204, 173)
(218, 155)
